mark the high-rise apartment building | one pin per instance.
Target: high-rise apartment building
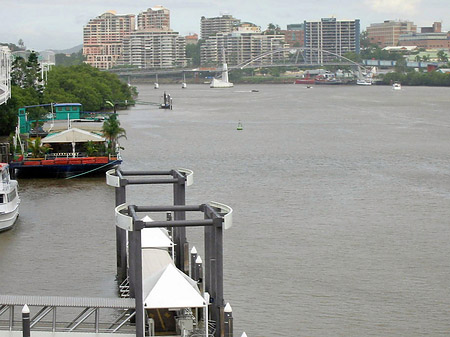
(154, 49)
(327, 38)
(156, 17)
(242, 45)
(103, 36)
(387, 33)
(111, 39)
(212, 26)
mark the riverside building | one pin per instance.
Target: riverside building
(428, 38)
(295, 35)
(156, 17)
(244, 43)
(222, 24)
(103, 37)
(387, 33)
(330, 37)
(154, 49)
(112, 39)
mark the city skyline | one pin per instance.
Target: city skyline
(59, 25)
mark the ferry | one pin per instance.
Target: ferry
(9, 199)
(67, 144)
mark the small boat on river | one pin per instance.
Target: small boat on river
(396, 86)
(9, 199)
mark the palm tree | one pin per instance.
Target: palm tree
(112, 131)
(37, 149)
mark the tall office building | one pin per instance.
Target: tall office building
(154, 49)
(295, 35)
(156, 17)
(327, 38)
(212, 26)
(103, 36)
(387, 33)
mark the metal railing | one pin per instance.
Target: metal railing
(68, 314)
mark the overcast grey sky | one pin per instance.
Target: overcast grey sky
(58, 24)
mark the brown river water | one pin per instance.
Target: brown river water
(341, 200)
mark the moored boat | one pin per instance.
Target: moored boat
(9, 198)
(365, 81)
(306, 80)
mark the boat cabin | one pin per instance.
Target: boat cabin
(64, 111)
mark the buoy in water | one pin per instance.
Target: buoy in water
(239, 126)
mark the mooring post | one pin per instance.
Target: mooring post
(26, 321)
(135, 271)
(193, 258)
(179, 235)
(228, 321)
(218, 237)
(121, 239)
(199, 278)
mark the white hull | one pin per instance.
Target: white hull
(362, 82)
(9, 199)
(7, 220)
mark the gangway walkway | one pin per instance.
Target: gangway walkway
(54, 314)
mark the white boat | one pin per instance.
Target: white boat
(396, 86)
(223, 82)
(184, 85)
(9, 198)
(364, 82)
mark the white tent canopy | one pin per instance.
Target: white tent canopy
(172, 289)
(153, 261)
(73, 135)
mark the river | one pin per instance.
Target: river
(341, 201)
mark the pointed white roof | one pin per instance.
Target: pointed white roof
(155, 238)
(170, 288)
(73, 135)
(153, 261)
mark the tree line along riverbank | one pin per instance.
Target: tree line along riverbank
(94, 89)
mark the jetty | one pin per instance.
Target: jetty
(166, 288)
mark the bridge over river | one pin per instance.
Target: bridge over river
(297, 59)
